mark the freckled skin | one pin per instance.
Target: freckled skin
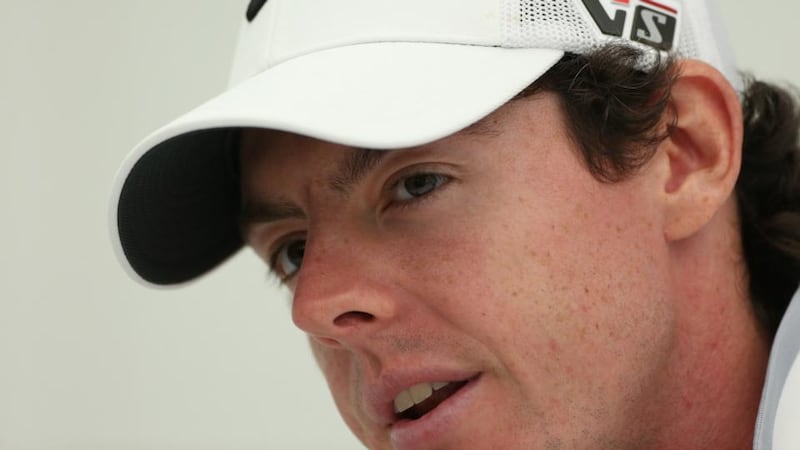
(561, 290)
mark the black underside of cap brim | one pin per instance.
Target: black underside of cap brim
(178, 211)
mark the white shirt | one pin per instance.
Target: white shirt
(778, 424)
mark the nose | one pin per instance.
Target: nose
(342, 296)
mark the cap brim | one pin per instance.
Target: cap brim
(175, 205)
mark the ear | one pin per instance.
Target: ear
(703, 151)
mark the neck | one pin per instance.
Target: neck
(721, 350)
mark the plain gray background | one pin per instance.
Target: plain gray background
(91, 360)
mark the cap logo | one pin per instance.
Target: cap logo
(651, 23)
(253, 9)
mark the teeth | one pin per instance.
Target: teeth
(420, 392)
(416, 395)
(403, 401)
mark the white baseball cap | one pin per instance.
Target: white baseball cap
(378, 74)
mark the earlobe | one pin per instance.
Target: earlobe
(703, 150)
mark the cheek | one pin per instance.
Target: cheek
(342, 375)
(336, 366)
(568, 296)
(584, 288)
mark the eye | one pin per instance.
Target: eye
(418, 185)
(287, 260)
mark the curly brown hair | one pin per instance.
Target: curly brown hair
(616, 114)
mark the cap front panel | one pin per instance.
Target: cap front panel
(285, 29)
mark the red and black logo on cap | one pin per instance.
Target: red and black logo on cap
(654, 23)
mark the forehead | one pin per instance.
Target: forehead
(279, 148)
(274, 162)
(286, 151)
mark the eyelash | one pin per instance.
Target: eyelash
(415, 201)
(274, 255)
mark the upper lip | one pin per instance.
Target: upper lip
(379, 395)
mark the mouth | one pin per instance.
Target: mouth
(418, 400)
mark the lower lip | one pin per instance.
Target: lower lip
(434, 426)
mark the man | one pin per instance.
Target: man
(505, 224)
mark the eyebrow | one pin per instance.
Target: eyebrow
(352, 169)
(486, 127)
(265, 211)
(349, 172)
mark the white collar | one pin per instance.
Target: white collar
(778, 424)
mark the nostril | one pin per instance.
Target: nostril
(352, 318)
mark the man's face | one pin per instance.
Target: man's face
(490, 260)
